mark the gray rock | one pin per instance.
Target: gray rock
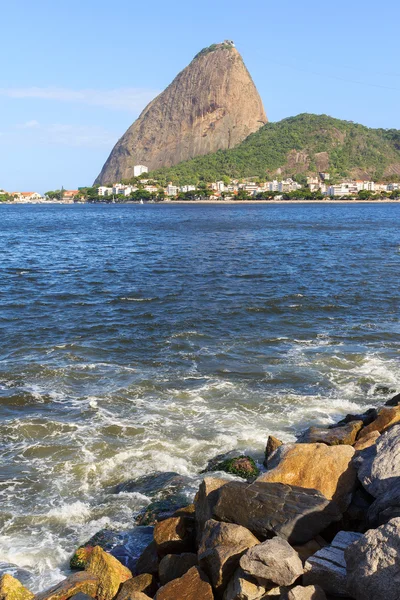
(293, 513)
(341, 434)
(222, 545)
(379, 465)
(148, 560)
(311, 592)
(173, 566)
(327, 567)
(373, 564)
(205, 501)
(395, 401)
(386, 507)
(273, 561)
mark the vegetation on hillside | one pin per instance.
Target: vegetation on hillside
(212, 48)
(296, 146)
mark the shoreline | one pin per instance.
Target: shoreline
(217, 202)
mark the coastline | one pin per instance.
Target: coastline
(217, 202)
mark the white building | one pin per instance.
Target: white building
(343, 189)
(139, 169)
(105, 191)
(393, 187)
(188, 188)
(26, 196)
(172, 190)
(288, 185)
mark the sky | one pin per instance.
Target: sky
(75, 74)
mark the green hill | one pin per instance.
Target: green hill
(299, 146)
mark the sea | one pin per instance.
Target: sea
(137, 339)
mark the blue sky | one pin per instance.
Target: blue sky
(75, 74)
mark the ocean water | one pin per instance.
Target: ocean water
(147, 338)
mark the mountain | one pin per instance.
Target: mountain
(213, 104)
(301, 145)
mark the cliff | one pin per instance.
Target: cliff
(211, 105)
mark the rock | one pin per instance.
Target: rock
(272, 444)
(174, 536)
(185, 511)
(194, 585)
(327, 469)
(343, 434)
(311, 592)
(25, 577)
(173, 566)
(373, 564)
(105, 538)
(366, 441)
(293, 513)
(82, 582)
(386, 506)
(12, 589)
(379, 465)
(139, 596)
(110, 572)
(145, 583)
(387, 416)
(222, 545)
(134, 543)
(395, 401)
(159, 510)
(205, 500)
(154, 483)
(310, 548)
(274, 561)
(148, 560)
(367, 418)
(242, 466)
(211, 105)
(327, 567)
(243, 587)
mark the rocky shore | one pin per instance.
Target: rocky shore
(322, 522)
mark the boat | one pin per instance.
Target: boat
(141, 202)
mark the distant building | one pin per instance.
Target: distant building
(188, 188)
(26, 196)
(105, 191)
(343, 189)
(70, 195)
(172, 190)
(324, 176)
(139, 169)
(392, 187)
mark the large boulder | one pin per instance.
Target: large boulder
(12, 589)
(110, 572)
(194, 585)
(310, 592)
(327, 567)
(373, 564)
(327, 469)
(333, 436)
(145, 584)
(221, 546)
(243, 587)
(174, 535)
(293, 513)
(173, 566)
(274, 561)
(386, 506)
(78, 583)
(387, 416)
(365, 442)
(205, 501)
(379, 465)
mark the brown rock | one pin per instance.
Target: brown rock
(387, 416)
(194, 585)
(110, 572)
(343, 434)
(12, 589)
(310, 592)
(327, 469)
(310, 548)
(211, 105)
(186, 511)
(243, 587)
(293, 513)
(145, 583)
(148, 560)
(366, 441)
(272, 444)
(173, 566)
(82, 582)
(139, 596)
(222, 545)
(174, 535)
(205, 500)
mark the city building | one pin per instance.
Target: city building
(26, 196)
(105, 191)
(139, 169)
(70, 195)
(172, 190)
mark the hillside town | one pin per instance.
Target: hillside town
(142, 188)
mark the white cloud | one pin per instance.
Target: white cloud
(129, 99)
(29, 125)
(60, 134)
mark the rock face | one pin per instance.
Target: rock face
(327, 567)
(12, 589)
(387, 416)
(78, 583)
(373, 564)
(293, 513)
(174, 535)
(145, 584)
(110, 572)
(345, 434)
(173, 566)
(274, 561)
(243, 587)
(213, 104)
(320, 467)
(310, 592)
(379, 465)
(194, 585)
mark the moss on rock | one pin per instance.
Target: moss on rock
(243, 466)
(12, 589)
